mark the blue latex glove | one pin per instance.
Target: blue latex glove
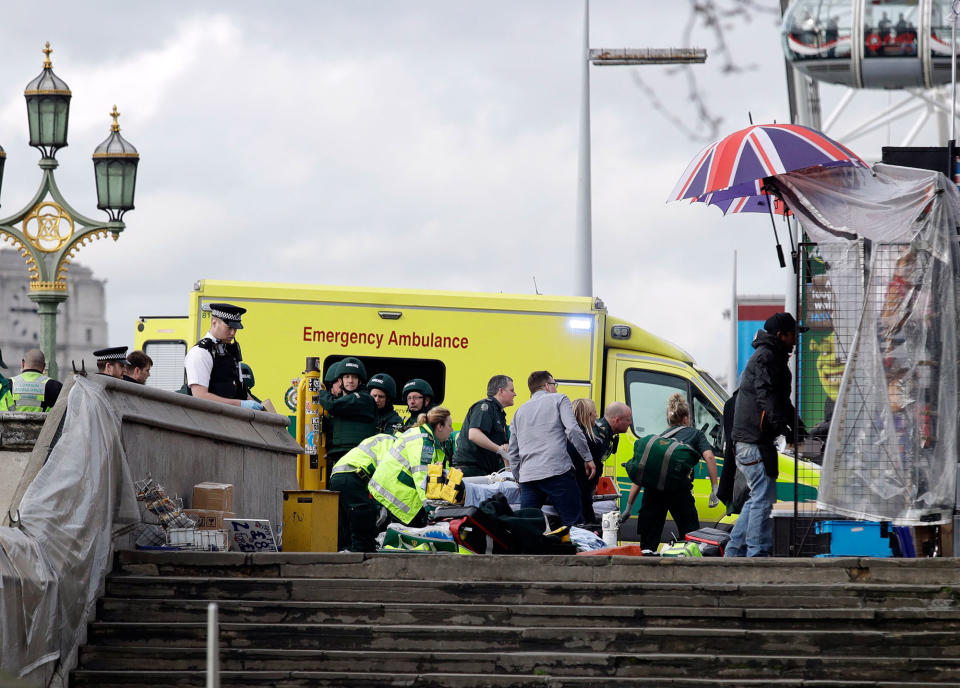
(251, 404)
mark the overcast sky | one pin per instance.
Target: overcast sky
(423, 144)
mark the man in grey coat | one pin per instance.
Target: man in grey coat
(538, 450)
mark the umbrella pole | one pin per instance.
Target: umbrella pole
(794, 248)
(773, 222)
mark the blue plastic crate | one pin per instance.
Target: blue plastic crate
(857, 538)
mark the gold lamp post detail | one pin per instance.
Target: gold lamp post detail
(48, 232)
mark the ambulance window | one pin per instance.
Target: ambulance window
(709, 420)
(647, 395)
(167, 369)
(401, 370)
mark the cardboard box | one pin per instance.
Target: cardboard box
(208, 519)
(213, 496)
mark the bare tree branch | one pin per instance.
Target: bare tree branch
(713, 18)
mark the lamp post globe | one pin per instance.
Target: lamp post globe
(48, 109)
(115, 168)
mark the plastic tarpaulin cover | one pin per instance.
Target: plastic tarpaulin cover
(52, 567)
(891, 451)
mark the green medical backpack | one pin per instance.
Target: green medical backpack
(662, 462)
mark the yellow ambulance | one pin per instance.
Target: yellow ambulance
(457, 341)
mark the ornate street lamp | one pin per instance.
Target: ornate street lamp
(48, 232)
(48, 109)
(115, 166)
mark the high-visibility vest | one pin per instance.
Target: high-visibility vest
(417, 448)
(363, 458)
(26, 392)
(399, 482)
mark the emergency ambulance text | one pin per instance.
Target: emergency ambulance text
(375, 339)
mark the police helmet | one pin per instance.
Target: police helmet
(333, 372)
(416, 385)
(246, 374)
(353, 366)
(384, 382)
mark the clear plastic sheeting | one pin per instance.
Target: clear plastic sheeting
(891, 451)
(52, 567)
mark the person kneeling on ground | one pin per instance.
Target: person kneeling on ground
(399, 481)
(357, 524)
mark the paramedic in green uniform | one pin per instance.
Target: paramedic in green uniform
(350, 407)
(383, 389)
(483, 440)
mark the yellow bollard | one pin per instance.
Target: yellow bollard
(311, 465)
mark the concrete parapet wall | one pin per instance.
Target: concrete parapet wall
(177, 439)
(18, 434)
(181, 441)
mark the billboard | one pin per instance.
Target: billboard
(752, 311)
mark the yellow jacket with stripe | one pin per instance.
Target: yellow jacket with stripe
(399, 481)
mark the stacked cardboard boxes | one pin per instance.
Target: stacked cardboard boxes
(212, 502)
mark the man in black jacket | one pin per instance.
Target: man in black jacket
(763, 412)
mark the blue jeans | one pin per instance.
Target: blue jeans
(752, 534)
(560, 491)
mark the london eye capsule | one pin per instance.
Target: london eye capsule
(870, 43)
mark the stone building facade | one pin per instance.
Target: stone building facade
(81, 319)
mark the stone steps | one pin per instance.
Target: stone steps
(637, 594)
(357, 679)
(610, 616)
(623, 665)
(435, 621)
(551, 639)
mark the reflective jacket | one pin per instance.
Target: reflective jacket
(364, 458)
(26, 392)
(399, 482)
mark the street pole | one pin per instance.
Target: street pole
(47, 305)
(584, 240)
(584, 226)
(734, 381)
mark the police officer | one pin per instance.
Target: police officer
(357, 525)
(31, 390)
(483, 442)
(417, 395)
(110, 361)
(213, 364)
(351, 407)
(383, 389)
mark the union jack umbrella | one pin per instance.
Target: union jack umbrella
(737, 165)
(746, 204)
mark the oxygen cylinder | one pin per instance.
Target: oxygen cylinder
(310, 464)
(611, 528)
